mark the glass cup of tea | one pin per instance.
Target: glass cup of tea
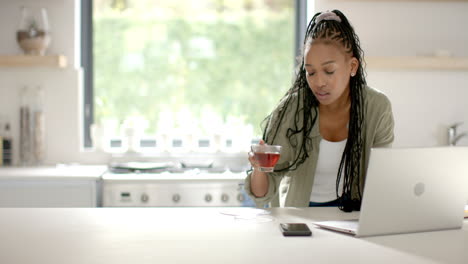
(266, 155)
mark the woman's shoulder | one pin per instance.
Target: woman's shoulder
(375, 94)
(376, 98)
(288, 101)
(290, 95)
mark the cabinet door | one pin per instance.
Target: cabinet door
(48, 193)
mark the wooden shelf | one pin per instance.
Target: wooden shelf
(54, 61)
(418, 63)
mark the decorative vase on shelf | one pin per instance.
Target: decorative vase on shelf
(33, 34)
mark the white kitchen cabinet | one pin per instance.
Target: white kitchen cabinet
(48, 193)
(76, 186)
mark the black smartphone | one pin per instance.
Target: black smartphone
(295, 229)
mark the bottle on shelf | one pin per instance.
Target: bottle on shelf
(38, 126)
(25, 128)
(1, 146)
(6, 155)
(32, 126)
(1, 141)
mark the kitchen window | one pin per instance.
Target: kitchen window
(179, 76)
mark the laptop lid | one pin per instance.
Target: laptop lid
(414, 190)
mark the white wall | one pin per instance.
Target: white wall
(424, 103)
(62, 87)
(389, 28)
(61, 20)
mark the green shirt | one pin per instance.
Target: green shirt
(293, 188)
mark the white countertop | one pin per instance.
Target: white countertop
(53, 172)
(206, 235)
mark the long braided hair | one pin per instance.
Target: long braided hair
(306, 111)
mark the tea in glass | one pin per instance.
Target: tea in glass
(267, 156)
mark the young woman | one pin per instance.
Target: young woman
(326, 123)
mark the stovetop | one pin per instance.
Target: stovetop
(167, 167)
(179, 184)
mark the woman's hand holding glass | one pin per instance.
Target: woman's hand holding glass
(263, 158)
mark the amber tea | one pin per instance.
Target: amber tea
(267, 156)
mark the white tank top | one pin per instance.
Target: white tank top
(328, 163)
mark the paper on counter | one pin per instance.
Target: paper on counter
(247, 213)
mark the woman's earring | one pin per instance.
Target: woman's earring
(352, 74)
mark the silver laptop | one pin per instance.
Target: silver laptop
(410, 190)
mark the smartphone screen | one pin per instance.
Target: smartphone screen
(295, 229)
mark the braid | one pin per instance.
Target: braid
(351, 159)
(350, 165)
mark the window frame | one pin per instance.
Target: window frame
(87, 66)
(300, 10)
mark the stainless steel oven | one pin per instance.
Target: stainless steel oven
(170, 187)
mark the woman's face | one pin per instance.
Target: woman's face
(328, 70)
